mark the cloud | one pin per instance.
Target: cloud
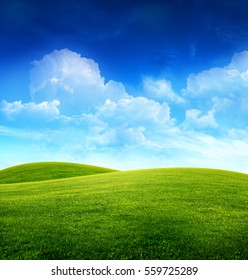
(105, 111)
(223, 91)
(161, 90)
(135, 111)
(128, 121)
(73, 80)
(213, 98)
(30, 113)
(230, 81)
(240, 62)
(194, 118)
(75, 115)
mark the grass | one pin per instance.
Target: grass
(41, 171)
(179, 213)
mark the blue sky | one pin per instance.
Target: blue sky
(125, 84)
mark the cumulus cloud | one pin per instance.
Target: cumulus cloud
(105, 111)
(194, 118)
(222, 90)
(73, 80)
(89, 120)
(213, 98)
(222, 87)
(240, 62)
(161, 90)
(229, 81)
(135, 111)
(128, 121)
(30, 113)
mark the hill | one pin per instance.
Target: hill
(40, 171)
(179, 213)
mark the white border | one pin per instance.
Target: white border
(42, 270)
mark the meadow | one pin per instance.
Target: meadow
(40, 171)
(167, 213)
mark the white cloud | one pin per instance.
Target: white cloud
(76, 115)
(73, 80)
(213, 82)
(11, 110)
(135, 111)
(161, 90)
(223, 91)
(240, 62)
(222, 104)
(194, 118)
(230, 81)
(128, 121)
(169, 147)
(17, 109)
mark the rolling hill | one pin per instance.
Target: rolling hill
(171, 213)
(40, 171)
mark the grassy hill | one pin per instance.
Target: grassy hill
(179, 213)
(40, 171)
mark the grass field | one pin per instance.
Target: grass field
(179, 213)
(41, 171)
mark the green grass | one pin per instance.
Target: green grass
(41, 171)
(179, 213)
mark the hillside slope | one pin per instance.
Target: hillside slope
(40, 171)
(178, 213)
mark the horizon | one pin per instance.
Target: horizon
(123, 170)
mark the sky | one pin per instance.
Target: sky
(125, 84)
